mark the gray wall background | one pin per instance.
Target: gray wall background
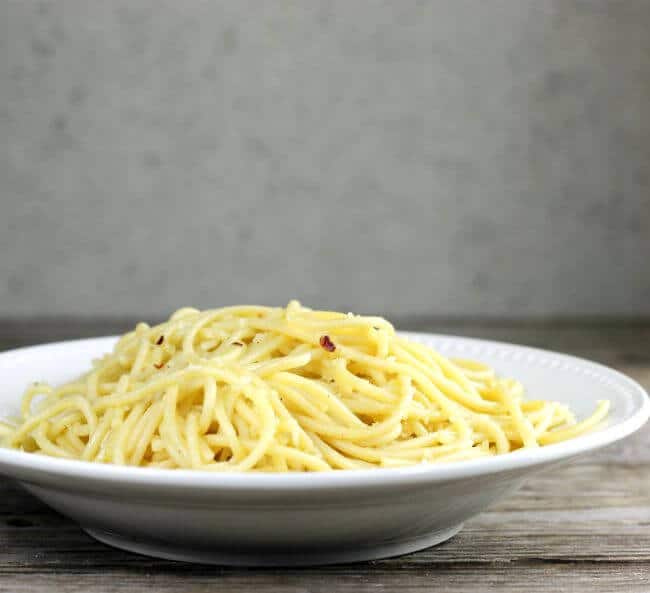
(410, 158)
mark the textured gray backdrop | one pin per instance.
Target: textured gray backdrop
(445, 158)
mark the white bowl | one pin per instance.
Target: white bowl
(305, 518)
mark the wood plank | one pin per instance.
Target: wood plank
(503, 577)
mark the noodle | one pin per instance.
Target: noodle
(283, 389)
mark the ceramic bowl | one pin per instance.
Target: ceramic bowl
(306, 518)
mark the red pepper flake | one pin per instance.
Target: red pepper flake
(159, 366)
(160, 340)
(327, 344)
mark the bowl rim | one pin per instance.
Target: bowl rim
(17, 464)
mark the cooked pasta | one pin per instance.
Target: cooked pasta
(251, 388)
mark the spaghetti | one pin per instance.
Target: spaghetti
(250, 388)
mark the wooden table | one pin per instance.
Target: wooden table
(582, 528)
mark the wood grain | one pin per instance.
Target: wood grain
(504, 578)
(581, 527)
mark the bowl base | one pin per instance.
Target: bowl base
(268, 556)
